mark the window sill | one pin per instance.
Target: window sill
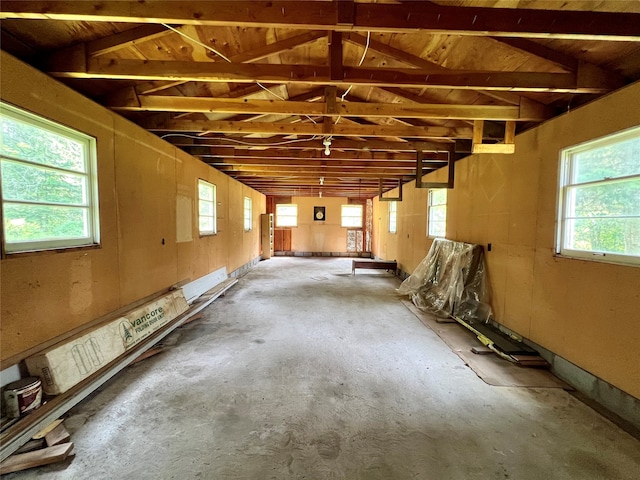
(605, 259)
(51, 251)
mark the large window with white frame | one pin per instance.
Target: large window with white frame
(351, 216)
(437, 212)
(393, 217)
(49, 184)
(599, 199)
(248, 212)
(286, 215)
(207, 208)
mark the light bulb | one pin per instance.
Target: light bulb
(327, 151)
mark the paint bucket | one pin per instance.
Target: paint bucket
(22, 397)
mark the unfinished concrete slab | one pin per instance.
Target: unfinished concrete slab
(306, 371)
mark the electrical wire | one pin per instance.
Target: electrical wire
(211, 49)
(195, 40)
(233, 140)
(364, 54)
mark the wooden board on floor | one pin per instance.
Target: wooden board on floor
(37, 458)
(490, 368)
(57, 436)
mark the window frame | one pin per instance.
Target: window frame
(90, 205)
(393, 217)
(248, 219)
(566, 170)
(214, 216)
(431, 208)
(360, 217)
(279, 216)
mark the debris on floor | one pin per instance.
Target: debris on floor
(50, 445)
(451, 283)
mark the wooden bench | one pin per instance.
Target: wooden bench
(374, 264)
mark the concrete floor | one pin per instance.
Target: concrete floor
(304, 371)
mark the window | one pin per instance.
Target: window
(437, 213)
(393, 217)
(207, 208)
(49, 184)
(286, 215)
(247, 214)
(599, 199)
(351, 216)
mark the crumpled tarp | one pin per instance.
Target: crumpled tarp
(451, 280)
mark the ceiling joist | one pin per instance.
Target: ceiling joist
(340, 129)
(343, 16)
(163, 103)
(586, 80)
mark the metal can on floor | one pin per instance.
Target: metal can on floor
(22, 396)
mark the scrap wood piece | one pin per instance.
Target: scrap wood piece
(57, 436)
(481, 350)
(149, 353)
(197, 316)
(37, 458)
(531, 361)
(43, 433)
(31, 445)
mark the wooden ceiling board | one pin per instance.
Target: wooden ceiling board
(313, 53)
(44, 35)
(621, 57)
(392, 50)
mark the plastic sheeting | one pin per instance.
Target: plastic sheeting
(451, 280)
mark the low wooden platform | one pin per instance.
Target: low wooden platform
(374, 264)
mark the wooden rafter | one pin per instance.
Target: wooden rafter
(166, 103)
(405, 17)
(284, 155)
(364, 146)
(77, 66)
(341, 129)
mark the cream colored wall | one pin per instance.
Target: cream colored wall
(587, 312)
(148, 193)
(315, 236)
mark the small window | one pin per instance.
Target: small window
(351, 216)
(599, 199)
(207, 208)
(437, 213)
(393, 217)
(247, 214)
(49, 184)
(286, 215)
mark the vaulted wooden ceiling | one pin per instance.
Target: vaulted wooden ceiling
(259, 89)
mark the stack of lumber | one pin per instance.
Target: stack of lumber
(52, 444)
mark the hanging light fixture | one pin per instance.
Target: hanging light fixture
(327, 143)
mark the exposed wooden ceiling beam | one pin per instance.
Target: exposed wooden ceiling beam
(279, 171)
(371, 145)
(127, 38)
(341, 129)
(164, 103)
(419, 62)
(395, 53)
(330, 163)
(405, 17)
(285, 154)
(565, 61)
(77, 66)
